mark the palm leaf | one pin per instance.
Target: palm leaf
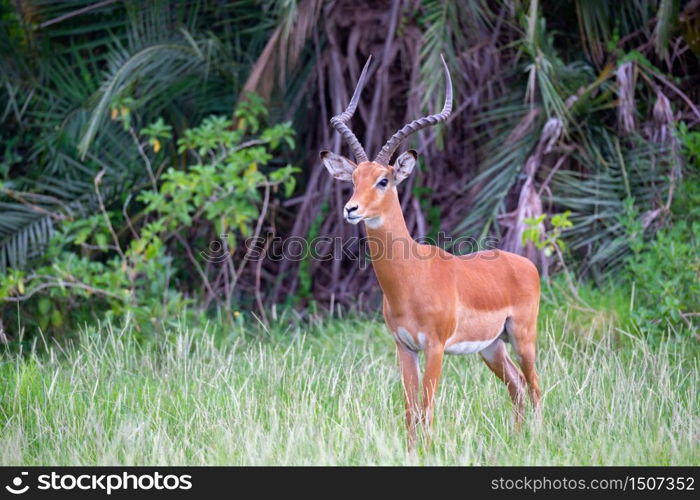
(667, 18)
(24, 233)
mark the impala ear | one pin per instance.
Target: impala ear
(404, 165)
(338, 166)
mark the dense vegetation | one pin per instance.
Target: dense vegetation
(143, 143)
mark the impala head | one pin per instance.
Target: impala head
(375, 181)
(375, 184)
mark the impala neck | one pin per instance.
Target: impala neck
(390, 245)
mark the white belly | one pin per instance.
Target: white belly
(468, 347)
(475, 324)
(470, 324)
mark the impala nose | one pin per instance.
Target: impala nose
(351, 213)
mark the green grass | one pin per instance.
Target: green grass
(329, 393)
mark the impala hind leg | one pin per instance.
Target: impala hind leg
(496, 358)
(523, 336)
(527, 354)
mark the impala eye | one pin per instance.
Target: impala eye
(383, 183)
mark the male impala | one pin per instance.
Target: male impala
(434, 301)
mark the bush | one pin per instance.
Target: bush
(666, 280)
(665, 271)
(110, 264)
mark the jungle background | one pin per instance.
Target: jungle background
(143, 144)
(136, 134)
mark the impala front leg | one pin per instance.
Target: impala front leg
(431, 379)
(408, 361)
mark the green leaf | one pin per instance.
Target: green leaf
(56, 318)
(102, 241)
(44, 306)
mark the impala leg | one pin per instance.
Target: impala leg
(431, 380)
(527, 355)
(524, 333)
(496, 358)
(408, 361)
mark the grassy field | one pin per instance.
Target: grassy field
(329, 393)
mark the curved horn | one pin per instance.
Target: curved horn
(385, 154)
(338, 121)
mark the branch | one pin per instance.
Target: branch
(98, 179)
(188, 250)
(15, 196)
(256, 234)
(61, 284)
(145, 158)
(76, 13)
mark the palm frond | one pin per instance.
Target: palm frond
(24, 233)
(502, 156)
(153, 68)
(666, 20)
(596, 196)
(594, 27)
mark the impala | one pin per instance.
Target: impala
(434, 301)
